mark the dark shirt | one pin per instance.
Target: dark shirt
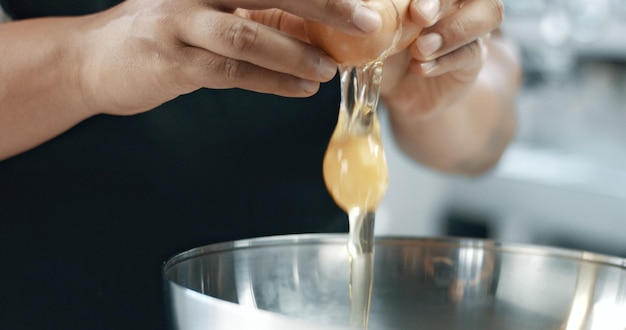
(88, 218)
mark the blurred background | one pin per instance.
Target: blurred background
(563, 181)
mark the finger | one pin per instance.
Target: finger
(426, 12)
(472, 20)
(351, 16)
(466, 61)
(235, 37)
(218, 72)
(281, 20)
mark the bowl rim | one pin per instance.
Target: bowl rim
(341, 238)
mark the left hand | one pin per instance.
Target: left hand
(440, 67)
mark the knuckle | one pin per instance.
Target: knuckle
(474, 49)
(338, 8)
(332, 5)
(471, 57)
(497, 10)
(456, 28)
(309, 66)
(231, 69)
(452, 34)
(243, 35)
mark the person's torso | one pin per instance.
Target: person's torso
(118, 195)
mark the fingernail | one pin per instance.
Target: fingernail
(328, 68)
(428, 67)
(429, 9)
(428, 44)
(367, 20)
(308, 86)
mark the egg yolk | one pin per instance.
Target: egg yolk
(355, 171)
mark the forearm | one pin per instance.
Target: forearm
(41, 92)
(140, 54)
(470, 136)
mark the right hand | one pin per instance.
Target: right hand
(143, 53)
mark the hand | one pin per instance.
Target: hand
(440, 67)
(142, 53)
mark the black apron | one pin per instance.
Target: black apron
(88, 218)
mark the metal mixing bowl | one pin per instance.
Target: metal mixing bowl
(302, 282)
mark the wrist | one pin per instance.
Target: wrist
(84, 44)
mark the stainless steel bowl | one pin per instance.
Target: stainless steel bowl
(302, 282)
